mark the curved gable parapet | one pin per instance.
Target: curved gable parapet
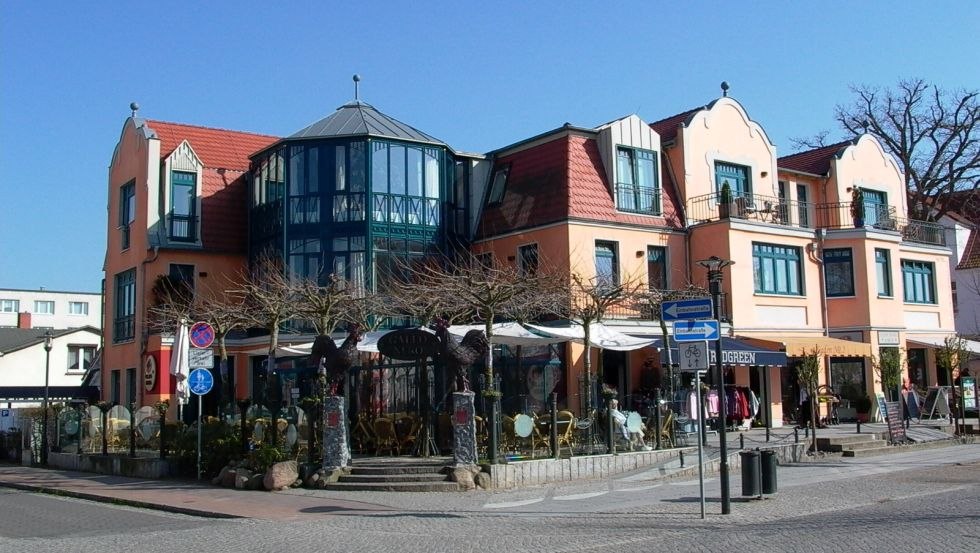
(136, 125)
(867, 142)
(704, 117)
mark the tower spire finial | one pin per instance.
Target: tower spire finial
(724, 88)
(135, 107)
(357, 79)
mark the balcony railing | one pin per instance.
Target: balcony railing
(638, 199)
(183, 228)
(789, 213)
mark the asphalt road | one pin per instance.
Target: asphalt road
(918, 501)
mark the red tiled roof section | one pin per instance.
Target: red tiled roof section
(223, 205)
(667, 128)
(971, 254)
(814, 162)
(536, 192)
(592, 197)
(565, 179)
(217, 148)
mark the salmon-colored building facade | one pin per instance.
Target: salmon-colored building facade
(627, 200)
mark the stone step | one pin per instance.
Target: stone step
(848, 438)
(368, 478)
(837, 448)
(394, 486)
(869, 451)
(394, 469)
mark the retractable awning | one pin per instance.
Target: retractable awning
(798, 346)
(733, 352)
(600, 336)
(932, 342)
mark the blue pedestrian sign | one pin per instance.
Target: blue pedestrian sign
(694, 308)
(696, 331)
(201, 381)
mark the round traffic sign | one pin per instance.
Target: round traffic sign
(201, 335)
(201, 381)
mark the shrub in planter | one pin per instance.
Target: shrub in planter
(725, 201)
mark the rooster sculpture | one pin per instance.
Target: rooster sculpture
(333, 362)
(458, 356)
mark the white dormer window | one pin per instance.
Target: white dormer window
(637, 186)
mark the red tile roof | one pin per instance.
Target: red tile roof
(814, 162)
(667, 128)
(564, 179)
(217, 148)
(964, 206)
(971, 254)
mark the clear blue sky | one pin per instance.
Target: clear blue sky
(478, 75)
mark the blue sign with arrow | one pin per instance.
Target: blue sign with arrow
(694, 308)
(696, 331)
(201, 381)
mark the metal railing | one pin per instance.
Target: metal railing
(790, 213)
(183, 228)
(638, 199)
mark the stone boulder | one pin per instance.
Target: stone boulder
(220, 478)
(483, 480)
(255, 482)
(281, 475)
(242, 476)
(463, 475)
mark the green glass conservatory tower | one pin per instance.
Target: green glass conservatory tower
(353, 192)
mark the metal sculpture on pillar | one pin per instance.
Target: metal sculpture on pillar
(715, 264)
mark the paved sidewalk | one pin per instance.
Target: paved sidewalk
(201, 499)
(178, 496)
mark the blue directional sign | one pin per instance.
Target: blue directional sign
(696, 331)
(201, 381)
(694, 308)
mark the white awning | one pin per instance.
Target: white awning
(368, 343)
(600, 336)
(508, 334)
(932, 342)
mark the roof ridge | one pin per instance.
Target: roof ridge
(149, 122)
(836, 146)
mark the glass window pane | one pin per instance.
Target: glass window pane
(396, 169)
(625, 166)
(645, 171)
(414, 174)
(379, 167)
(312, 170)
(296, 187)
(340, 168)
(356, 167)
(431, 173)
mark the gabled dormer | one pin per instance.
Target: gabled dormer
(181, 177)
(630, 152)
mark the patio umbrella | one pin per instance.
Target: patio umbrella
(180, 363)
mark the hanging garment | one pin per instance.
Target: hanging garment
(712, 403)
(692, 406)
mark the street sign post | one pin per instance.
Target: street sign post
(694, 357)
(201, 335)
(201, 383)
(696, 331)
(694, 308)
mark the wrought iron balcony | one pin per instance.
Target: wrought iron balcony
(789, 213)
(638, 199)
(183, 228)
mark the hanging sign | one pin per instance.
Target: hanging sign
(408, 344)
(149, 373)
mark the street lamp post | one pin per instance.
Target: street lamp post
(715, 264)
(47, 371)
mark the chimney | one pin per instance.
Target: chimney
(24, 320)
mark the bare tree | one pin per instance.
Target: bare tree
(802, 143)
(932, 132)
(589, 300)
(324, 306)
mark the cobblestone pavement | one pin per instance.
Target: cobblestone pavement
(917, 501)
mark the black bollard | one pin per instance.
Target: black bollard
(610, 440)
(657, 423)
(494, 436)
(741, 441)
(554, 425)
(796, 435)
(132, 429)
(859, 426)
(682, 458)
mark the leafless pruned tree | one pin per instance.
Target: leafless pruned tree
(268, 298)
(650, 302)
(803, 143)
(324, 306)
(932, 132)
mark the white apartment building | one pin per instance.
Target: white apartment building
(49, 309)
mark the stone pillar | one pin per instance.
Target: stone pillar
(464, 429)
(335, 451)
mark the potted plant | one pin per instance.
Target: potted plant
(725, 201)
(863, 406)
(857, 207)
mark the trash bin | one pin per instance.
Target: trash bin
(769, 465)
(750, 473)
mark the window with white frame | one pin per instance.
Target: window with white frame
(80, 357)
(78, 308)
(43, 307)
(919, 281)
(637, 187)
(9, 306)
(776, 269)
